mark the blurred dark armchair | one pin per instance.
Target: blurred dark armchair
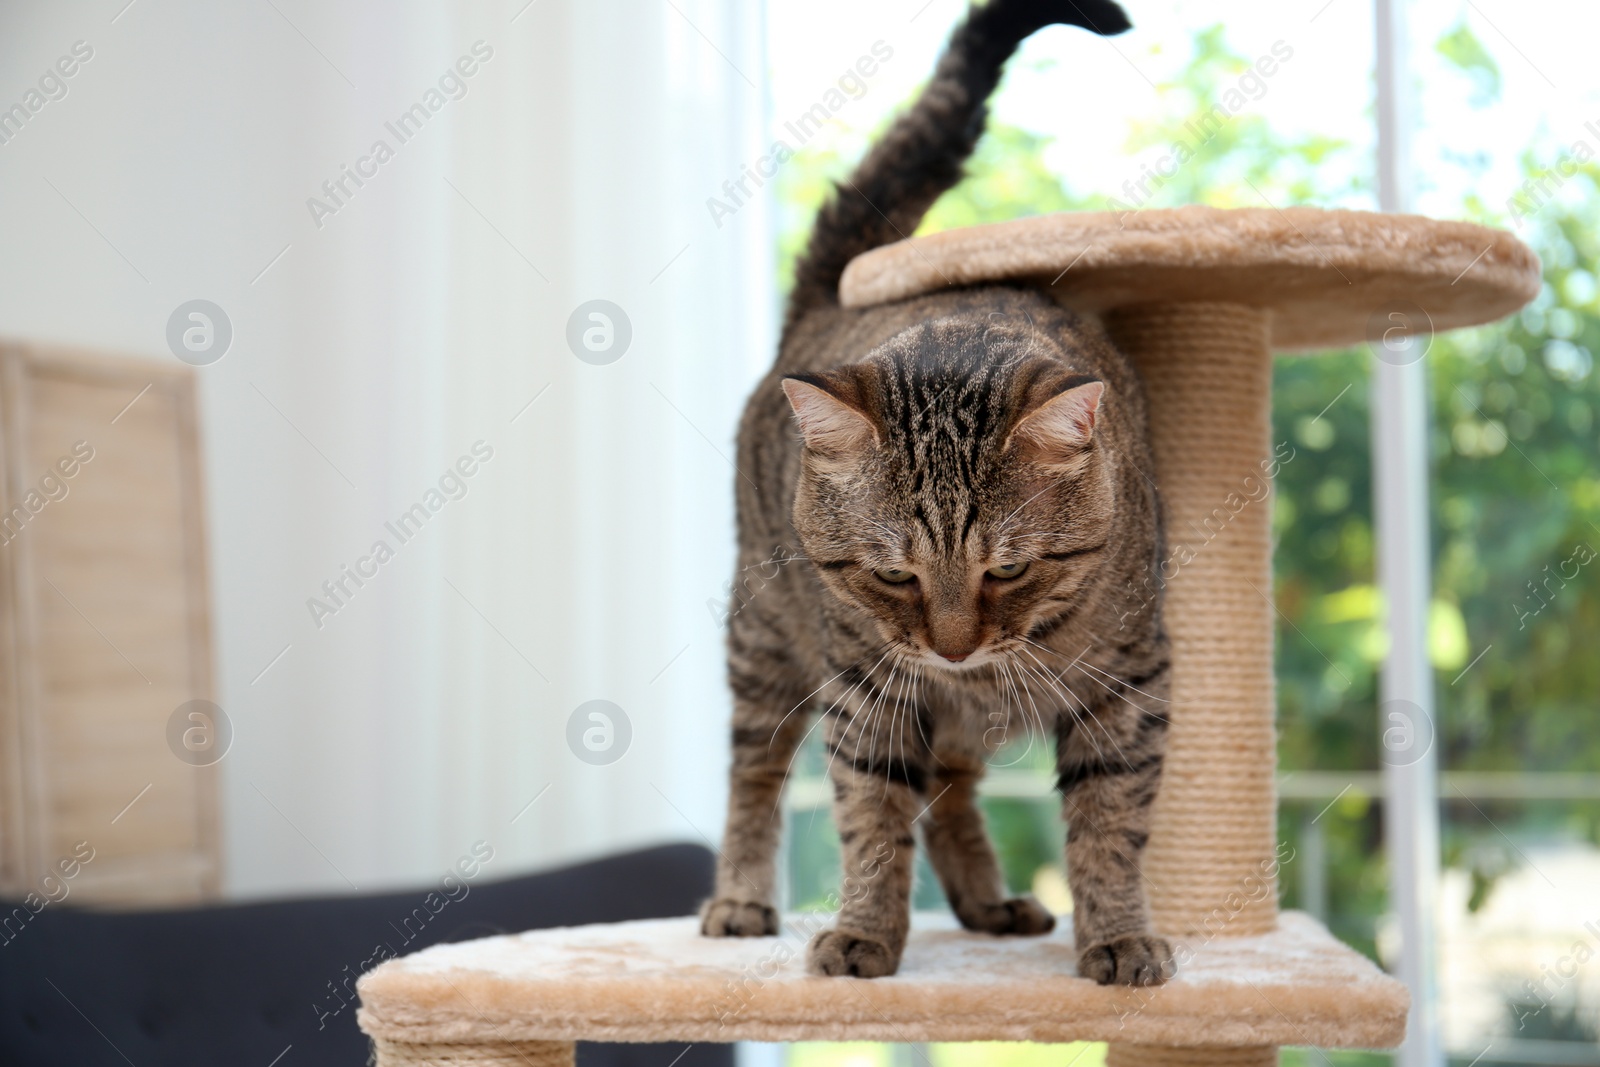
(242, 984)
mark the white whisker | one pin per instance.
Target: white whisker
(1072, 705)
(823, 715)
(866, 712)
(894, 719)
(1120, 696)
(1037, 714)
(805, 698)
(1119, 681)
(1004, 523)
(1090, 717)
(877, 718)
(917, 705)
(1016, 698)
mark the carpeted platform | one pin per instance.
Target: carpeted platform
(1320, 275)
(658, 980)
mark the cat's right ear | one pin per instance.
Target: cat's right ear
(831, 421)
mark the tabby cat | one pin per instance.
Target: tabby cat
(960, 517)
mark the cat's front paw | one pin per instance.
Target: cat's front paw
(1138, 959)
(849, 952)
(1020, 915)
(722, 917)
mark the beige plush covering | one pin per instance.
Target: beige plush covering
(1321, 274)
(659, 980)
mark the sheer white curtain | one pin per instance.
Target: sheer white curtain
(611, 528)
(564, 159)
(579, 564)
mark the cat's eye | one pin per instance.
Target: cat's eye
(1008, 570)
(893, 575)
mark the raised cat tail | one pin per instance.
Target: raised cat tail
(922, 154)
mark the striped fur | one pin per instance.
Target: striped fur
(941, 437)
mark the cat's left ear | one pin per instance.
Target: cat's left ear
(1060, 424)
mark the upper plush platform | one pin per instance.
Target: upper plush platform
(1324, 276)
(659, 980)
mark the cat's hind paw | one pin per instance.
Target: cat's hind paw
(835, 953)
(1138, 959)
(721, 917)
(1020, 915)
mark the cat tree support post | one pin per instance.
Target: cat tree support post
(1199, 299)
(1210, 866)
(1209, 377)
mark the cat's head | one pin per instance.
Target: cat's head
(954, 487)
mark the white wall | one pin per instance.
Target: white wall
(380, 347)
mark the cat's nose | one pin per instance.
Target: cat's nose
(954, 630)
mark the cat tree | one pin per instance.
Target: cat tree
(1199, 298)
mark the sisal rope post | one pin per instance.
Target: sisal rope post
(474, 1054)
(1210, 866)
